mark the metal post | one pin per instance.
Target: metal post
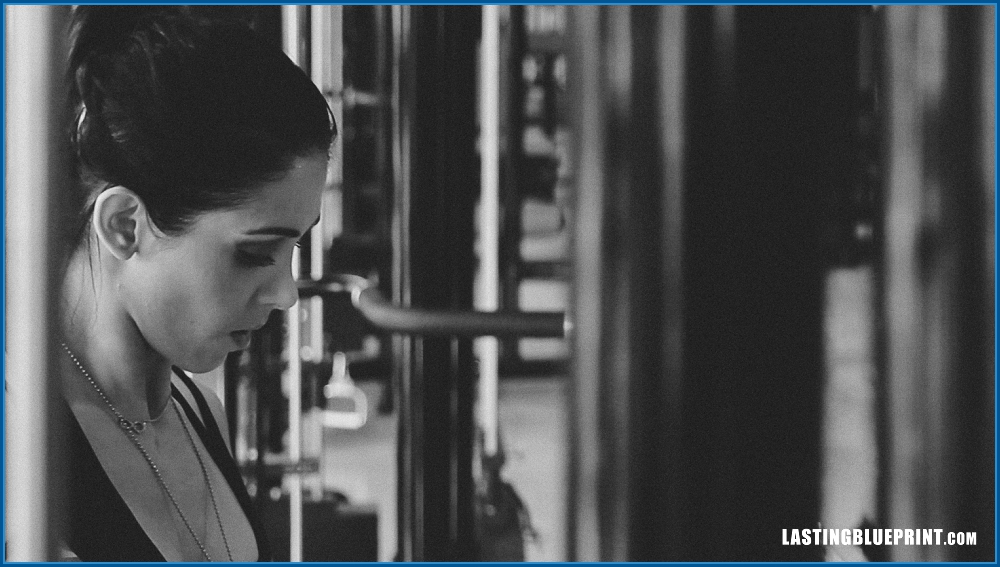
(293, 21)
(583, 521)
(904, 171)
(697, 274)
(671, 46)
(488, 291)
(409, 469)
(437, 75)
(939, 340)
(36, 169)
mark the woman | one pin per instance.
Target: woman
(202, 154)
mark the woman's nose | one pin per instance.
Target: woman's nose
(282, 293)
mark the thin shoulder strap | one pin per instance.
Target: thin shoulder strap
(211, 436)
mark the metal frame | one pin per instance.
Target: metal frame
(37, 171)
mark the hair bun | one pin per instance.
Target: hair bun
(190, 109)
(106, 28)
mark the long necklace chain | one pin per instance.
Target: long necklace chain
(208, 481)
(132, 433)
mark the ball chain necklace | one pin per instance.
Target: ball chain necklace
(132, 430)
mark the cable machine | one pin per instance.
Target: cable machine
(710, 145)
(428, 180)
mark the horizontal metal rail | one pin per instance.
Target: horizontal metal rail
(381, 313)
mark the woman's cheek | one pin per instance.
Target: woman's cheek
(243, 290)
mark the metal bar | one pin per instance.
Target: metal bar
(444, 182)
(938, 361)
(294, 423)
(325, 72)
(427, 322)
(488, 284)
(583, 521)
(409, 468)
(430, 322)
(293, 19)
(903, 204)
(672, 77)
(33, 103)
(624, 364)
(753, 281)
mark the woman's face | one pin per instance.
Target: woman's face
(195, 297)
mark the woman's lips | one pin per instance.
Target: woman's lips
(241, 338)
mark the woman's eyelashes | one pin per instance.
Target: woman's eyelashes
(254, 259)
(251, 259)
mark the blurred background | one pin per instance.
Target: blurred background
(740, 262)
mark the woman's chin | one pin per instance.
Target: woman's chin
(205, 363)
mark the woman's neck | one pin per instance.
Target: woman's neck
(99, 331)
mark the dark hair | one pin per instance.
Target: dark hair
(188, 112)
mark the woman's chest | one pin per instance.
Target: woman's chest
(169, 483)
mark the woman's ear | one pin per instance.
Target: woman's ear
(118, 214)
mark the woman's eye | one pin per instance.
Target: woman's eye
(254, 260)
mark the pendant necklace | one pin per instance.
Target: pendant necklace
(132, 430)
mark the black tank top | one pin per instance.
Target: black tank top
(101, 526)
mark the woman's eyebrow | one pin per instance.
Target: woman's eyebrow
(280, 231)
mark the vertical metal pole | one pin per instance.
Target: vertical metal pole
(671, 91)
(768, 135)
(444, 182)
(904, 172)
(293, 19)
(695, 277)
(488, 289)
(295, 424)
(511, 198)
(326, 72)
(939, 340)
(620, 370)
(409, 469)
(35, 170)
(586, 80)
